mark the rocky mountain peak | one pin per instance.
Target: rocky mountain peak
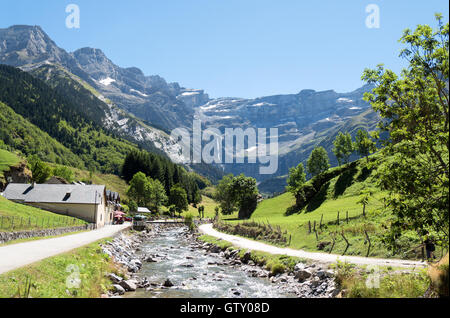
(22, 44)
(95, 62)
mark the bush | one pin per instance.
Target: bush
(189, 221)
(278, 269)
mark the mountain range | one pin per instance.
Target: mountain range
(145, 109)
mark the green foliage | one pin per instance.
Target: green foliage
(139, 189)
(17, 133)
(364, 145)
(64, 172)
(415, 107)
(41, 171)
(157, 194)
(244, 192)
(178, 198)
(277, 269)
(132, 205)
(71, 123)
(296, 181)
(7, 160)
(224, 197)
(237, 193)
(343, 147)
(189, 221)
(318, 162)
(162, 169)
(201, 211)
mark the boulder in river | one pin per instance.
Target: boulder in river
(168, 283)
(247, 257)
(114, 278)
(129, 285)
(302, 275)
(150, 259)
(118, 289)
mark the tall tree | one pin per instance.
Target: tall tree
(364, 145)
(318, 161)
(139, 189)
(178, 198)
(244, 192)
(415, 107)
(237, 194)
(223, 195)
(157, 193)
(295, 181)
(343, 147)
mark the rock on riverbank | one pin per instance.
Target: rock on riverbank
(123, 249)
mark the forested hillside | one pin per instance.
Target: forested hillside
(63, 124)
(64, 119)
(19, 134)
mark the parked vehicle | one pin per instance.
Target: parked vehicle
(139, 222)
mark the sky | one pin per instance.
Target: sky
(236, 48)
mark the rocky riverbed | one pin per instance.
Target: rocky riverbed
(172, 262)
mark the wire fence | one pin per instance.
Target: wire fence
(17, 223)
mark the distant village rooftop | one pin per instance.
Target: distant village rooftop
(143, 210)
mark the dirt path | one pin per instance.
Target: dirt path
(320, 257)
(22, 254)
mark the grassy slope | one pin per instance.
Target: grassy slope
(341, 194)
(38, 218)
(7, 159)
(49, 277)
(19, 134)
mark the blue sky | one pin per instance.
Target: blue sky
(236, 48)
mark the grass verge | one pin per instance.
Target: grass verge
(57, 277)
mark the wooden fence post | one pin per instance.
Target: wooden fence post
(314, 225)
(321, 219)
(347, 217)
(338, 218)
(334, 242)
(309, 227)
(370, 244)
(348, 244)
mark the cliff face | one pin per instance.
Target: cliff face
(16, 174)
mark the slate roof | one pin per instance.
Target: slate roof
(55, 193)
(143, 210)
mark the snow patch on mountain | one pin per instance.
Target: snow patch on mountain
(138, 92)
(107, 81)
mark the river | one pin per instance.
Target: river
(194, 273)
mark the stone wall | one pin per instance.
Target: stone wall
(11, 236)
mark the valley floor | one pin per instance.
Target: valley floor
(321, 257)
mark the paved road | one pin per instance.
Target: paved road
(22, 254)
(320, 257)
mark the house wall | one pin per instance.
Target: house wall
(88, 212)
